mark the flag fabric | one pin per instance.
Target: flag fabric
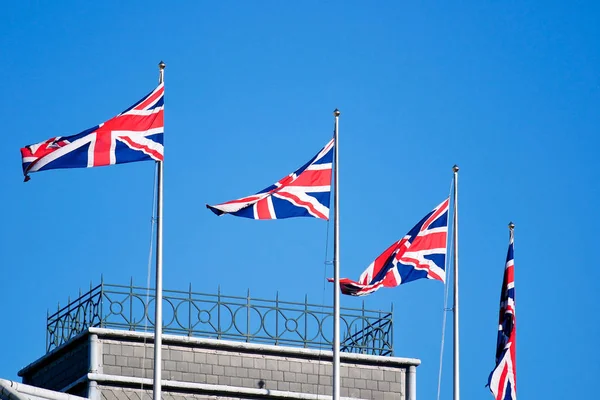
(420, 254)
(134, 135)
(304, 193)
(503, 379)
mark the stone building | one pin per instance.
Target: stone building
(100, 346)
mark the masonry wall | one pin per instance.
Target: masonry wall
(120, 363)
(216, 364)
(61, 368)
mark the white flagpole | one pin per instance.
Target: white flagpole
(158, 296)
(336, 263)
(455, 307)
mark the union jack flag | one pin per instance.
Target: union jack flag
(503, 379)
(134, 135)
(421, 253)
(303, 193)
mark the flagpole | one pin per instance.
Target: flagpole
(455, 307)
(336, 264)
(158, 296)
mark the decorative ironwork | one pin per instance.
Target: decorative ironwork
(222, 317)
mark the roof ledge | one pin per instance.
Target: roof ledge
(12, 390)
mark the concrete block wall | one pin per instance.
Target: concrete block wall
(243, 365)
(120, 365)
(61, 368)
(214, 363)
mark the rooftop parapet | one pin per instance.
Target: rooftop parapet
(217, 316)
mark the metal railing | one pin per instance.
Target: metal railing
(222, 317)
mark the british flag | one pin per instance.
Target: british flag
(503, 379)
(303, 193)
(134, 135)
(421, 253)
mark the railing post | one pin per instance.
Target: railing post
(364, 344)
(219, 313)
(248, 317)
(277, 318)
(47, 329)
(91, 306)
(379, 339)
(101, 301)
(190, 311)
(79, 310)
(305, 321)
(145, 300)
(62, 331)
(131, 327)
(72, 323)
(391, 331)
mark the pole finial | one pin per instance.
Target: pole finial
(336, 112)
(511, 225)
(161, 65)
(455, 168)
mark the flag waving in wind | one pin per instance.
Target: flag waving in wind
(134, 135)
(421, 253)
(503, 379)
(304, 193)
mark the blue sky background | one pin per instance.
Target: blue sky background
(508, 90)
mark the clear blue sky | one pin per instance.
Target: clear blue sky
(508, 90)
